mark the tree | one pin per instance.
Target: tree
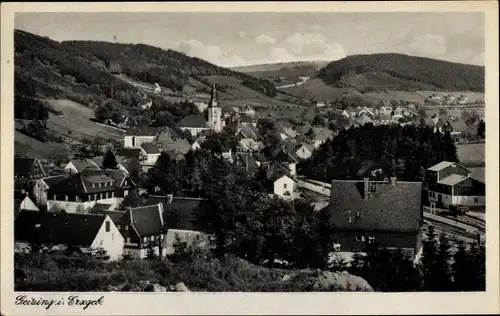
(109, 160)
(481, 128)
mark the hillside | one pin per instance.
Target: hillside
(402, 72)
(286, 69)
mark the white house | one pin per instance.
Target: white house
(192, 238)
(304, 151)
(136, 136)
(26, 204)
(284, 186)
(149, 155)
(78, 165)
(83, 232)
(157, 88)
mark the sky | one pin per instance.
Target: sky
(235, 38)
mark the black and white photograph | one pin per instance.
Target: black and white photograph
(198, 151)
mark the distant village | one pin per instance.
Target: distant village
(82, 205)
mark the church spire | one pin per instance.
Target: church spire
(213, 97)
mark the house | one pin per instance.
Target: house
(320, 104)
(143, 230)
(388, 212)
(157, 88)
(98, 160)
(194, 124)
(247, 110)
(283, 157)
(246, 120)
(319, 135)
(134, 137)
(363, 119)
(41, 187)
(78, 165)
(166, 136)
(196, 144)
(435, 122)
(149, 155)
(246, 161)
(27, 168)
(304, 150)
(287, 129)
(397, 113)
(178, 149)
(23, 202)
(80, 192)
(449, 183)
(129, 153)
(284, 186)
(146, 104)
(454, 127)
(248, 144)
(61, 231)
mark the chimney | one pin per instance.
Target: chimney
(366, 191)
(393, 181)
(170, 198)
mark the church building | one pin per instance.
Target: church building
(214, 112)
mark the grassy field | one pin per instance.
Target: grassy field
(73, 125)
(316, 89)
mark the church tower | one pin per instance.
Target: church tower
(214, 112)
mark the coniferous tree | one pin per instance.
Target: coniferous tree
(481, 128)
(109, 160)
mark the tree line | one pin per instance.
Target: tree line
(405, 152)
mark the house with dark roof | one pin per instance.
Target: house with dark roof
(28, 168)
(284, 186)
(23, 202)
(143, 230)
(193, 123)
(41, 187)
(80, 192)
(98, 161)
(183, 220)
(62, 231)
(134, 137)
(78, 165)
(245, 161)
(129, 153)
(449, 183)
(388, 212)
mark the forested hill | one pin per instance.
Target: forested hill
(47, 68)
(403, 72)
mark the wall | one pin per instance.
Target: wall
(348, 242)
(468, 200)
(303, 153)
(71, 207)
(446, 198)
(111, 241)
(27, 204)
(194, 130)
(128, 141)
(279, 186)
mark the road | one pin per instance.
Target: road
(293, 85)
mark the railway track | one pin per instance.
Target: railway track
(450, 229)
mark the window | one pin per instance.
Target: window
(113, 237)
(145, 239)
(128, 240)
(66, 198)
(55, 197)
(93, 185)
(118, 226)
(357, 238)
(77, 198)
(476, 200)
(108, 226)
(371, 239)
(125, 193)
(100, 243)
(284, 186)
(126, 227)
(363, 238)
(99, 184)
(112, 194)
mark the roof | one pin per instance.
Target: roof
(81, 183)
(452, 179)
(129, 152)
(309, 147)
(390, 208)
(142, 131)
(179, 146)
(23, 166)
(150, 148)
(193, 120)
(98, 208)
(57, 228)
(147, 220)
(443, 164)
(81, 164)
(246, 161)
(182, 213)
(282, 155)
(50, 181)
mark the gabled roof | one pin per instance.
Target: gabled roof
(24, 165)
(150, 148)
(452, 179)
(444, 164)
(246, 161)
(309, 147)
(147, 220)
(57, 228)
(282, 155)
(179, 146)
(389, 208)
(129, 152)
(142, 131)
(50, 181)
(82, 183)
(81, 164)
(193, 120)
